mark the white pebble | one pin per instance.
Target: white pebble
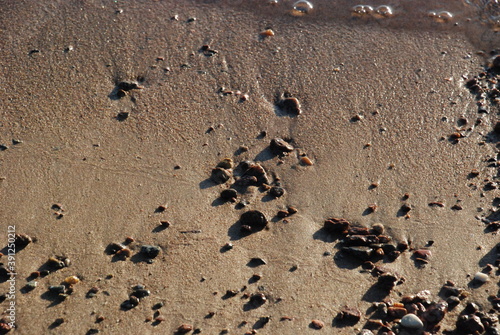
(411, 321)
(481, 277)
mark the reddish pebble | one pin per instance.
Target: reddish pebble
(184, 328)
(317, 324)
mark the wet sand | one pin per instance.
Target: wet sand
(378, 106)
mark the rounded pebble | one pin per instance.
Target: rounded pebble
(184, 328)
(254, 219)
(411, 321)
(317, 324)
(481, 277)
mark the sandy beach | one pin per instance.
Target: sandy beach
(115, 113)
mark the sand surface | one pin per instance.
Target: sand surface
(61, 62)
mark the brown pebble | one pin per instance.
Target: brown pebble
(160, 318)
(129, 239)
(306, 161)
(100, 318)
(422, 253)
(279, 145)
(317, 324)
(371, 208)
(165, 224)
(149, 319)
(125, 252)
(290, 106)
(349, 315)
(292, 210)
(436, 204)
(184, 328)
(457, 207)
(267, 33)
(287, 318)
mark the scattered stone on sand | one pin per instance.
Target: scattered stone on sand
(317, 324)
(128, 85)
(161, 208)
(289, 105)
(22, 241)
(411, 321)
(150, 251)
(267, 33)
(229, 194)
(254, 219)
(58, 262)
(184, 328)
(220, 175)
(481, 277)
(306, 161)
(349, 315)
(336, 226)
(276, 191)
(71, 280)
(165, 223)
(279, 146)
(470, 324)
(258, 299)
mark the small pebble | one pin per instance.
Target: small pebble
(276, 191)
(317, 324)
(306, 161)
(71, 280)
(411, 321)
(184, 328)
(253, 219)
(150, 251)
(279, 146)
(267, 33)
(220, 175)
(481, 277)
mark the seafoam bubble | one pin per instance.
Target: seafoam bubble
(361, 10)
(383, 12)
(301, 8)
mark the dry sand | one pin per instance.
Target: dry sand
(111, 175)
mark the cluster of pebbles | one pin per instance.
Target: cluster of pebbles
(486, 86)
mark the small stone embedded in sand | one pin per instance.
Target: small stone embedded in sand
(220, 175)
(258, 299)
(150, 251)
(317, 324)
(290, 106)
(229, 195)
(57, 289)
(184, 328)
(411, 321)
(276, 191)
(254, 219)
(279, 146)
(21, 241)
(422, 254)
(267, 33)
(337, 226)
(128, 85)
(306, 161)
(481, 277)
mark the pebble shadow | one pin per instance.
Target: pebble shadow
(344, 261)
(323, 235)
(207, 183)
(375, 293)
(264, 155)
(491, 256)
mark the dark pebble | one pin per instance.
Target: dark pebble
(290, 105)
(150, 251)
(22, 241)
(128, 85)
(113, 248)
(362, 253)
(279, 146)
(258, 299)
(229, 195)
(282, 214)
(470, 324)
(122, 116)
(220, 175)
(57, 289)
(336, 226)
(141, 293)
(276, 191)
(254, 219)
(349, 315)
